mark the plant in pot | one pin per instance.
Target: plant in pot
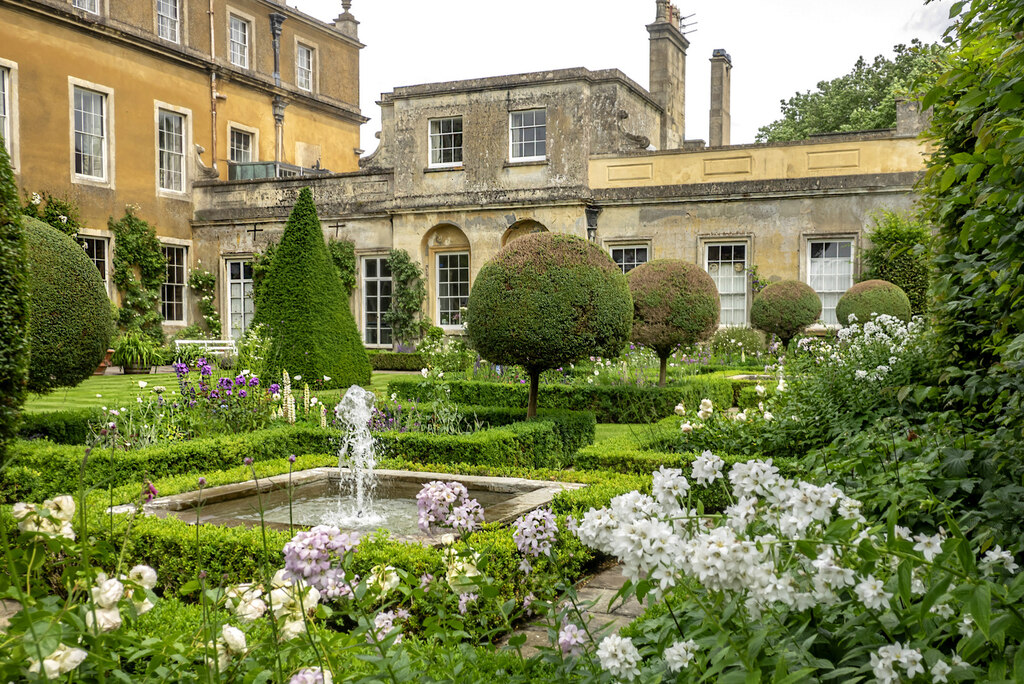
(135, 353)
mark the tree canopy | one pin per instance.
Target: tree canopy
(864, 99)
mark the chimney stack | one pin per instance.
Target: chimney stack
(668, 73)
(719, 119)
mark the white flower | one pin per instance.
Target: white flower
(63, 508)
(619, 657)
(297, 378)
(36, 198)
(680, 409)
(939, 671)
(707, 468)
(929, 546)
(768, 416)
(142, 607)
(383, 578)
(424, 372)
(966, 628)
(143, 575)
(872, 594)
(686, 427)
(107, 592)
(63, 660)
(103, 619)
(63, 218)
(440, 374)
(759, 388)
(997, 556)
(781, 386)
(679, 655)
(741, 416)
(327, 378)
(706, 405)
(142, 384)
(291, 629)
(911, 659)
(234, 639)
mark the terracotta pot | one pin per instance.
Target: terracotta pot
(104, 364)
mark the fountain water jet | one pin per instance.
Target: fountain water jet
(356, 457)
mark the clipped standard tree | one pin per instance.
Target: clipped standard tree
(546, 300)
(70, 323)
(785, 308)
(873, 298)
(674, 303)
(13, 305)
(304, 308)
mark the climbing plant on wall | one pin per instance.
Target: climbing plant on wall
(139, 270)
(59, 213)
(408, 293)
(203, 284)
(343, 254)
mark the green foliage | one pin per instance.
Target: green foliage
(575, 429)
(535, 444)
(59, 427)
(785, 308)
(69, 314)
(397, 361)
(610, 403)
(140, 269)
(203, 284)
(864, 99)
(134, 350)
(56, 212)
(253, 349)
(871, 298)
(343, 254)
(734, 342)
(14, 308)
(445, 353)
(304, 309)
(408, 293)
(899, 254)
(261, 263)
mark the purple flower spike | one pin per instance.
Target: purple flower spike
(254, 381)
(274, 388)
(291, 459)
(242, 393)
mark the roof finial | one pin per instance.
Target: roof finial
(346, 5)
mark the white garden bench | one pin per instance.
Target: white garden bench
(209, 346)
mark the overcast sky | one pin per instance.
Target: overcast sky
(778, 47)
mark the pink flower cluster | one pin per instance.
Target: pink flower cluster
(310, 555)
(447, 505)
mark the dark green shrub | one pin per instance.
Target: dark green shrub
(575, 429)
(69, 313)
(547, 300)
(899, 255)
(674, 303)
(305, 309)
(785, 308)
(14, 310)
(397, 361)
(140, 269)
(873, 298)
(60, 427)
(610, 403)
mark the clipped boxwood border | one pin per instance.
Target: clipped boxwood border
(396, 361)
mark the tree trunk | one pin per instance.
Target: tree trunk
(531, 408)
(663, 371)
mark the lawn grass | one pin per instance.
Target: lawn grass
(614, 430)
(119, 390)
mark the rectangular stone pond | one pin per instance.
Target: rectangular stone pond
(317, 498)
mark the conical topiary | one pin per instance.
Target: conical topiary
(13, 305)
(305, 311)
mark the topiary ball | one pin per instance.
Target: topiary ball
(674, 303)
(546, 300)
(785, 308)
(70, 322)
(873, 298)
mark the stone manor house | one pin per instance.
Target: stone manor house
(463, 167)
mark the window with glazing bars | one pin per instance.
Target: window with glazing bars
(629, 257)
(172, 294)
(727, 266)
(376, 300)
(304, 68)
(90, 133)
(172, 151)
(238, 42)
(830, 272)
(446, 141)
(452, 287)
(528, 134)
(96, 250)
(240, 147)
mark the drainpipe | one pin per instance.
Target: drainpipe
(213, 97)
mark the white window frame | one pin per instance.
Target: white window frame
(108, 243)
(177, 23)
(808, 241)
(228, 329)
(706, 246)
(164, 302)
(90, 6)
(10, 129)
(255, 139)
(435, 142)
(314, 71)
(378, 279)
(437, 284)
(186, 115)
(250, 52)
(109, 157)
(512, 127)
(629, 245)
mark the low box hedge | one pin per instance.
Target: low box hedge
(396, 361)
(610, 403)
(60, 427)
(535, 444)
(575, 429)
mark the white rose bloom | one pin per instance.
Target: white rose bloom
(251, 610)
(107, 592)
(741, 416)
(686, 427)
(680, 409)
(759, 388)
(768, 416)
(424, 372)
(234, 638)
(62, 508)
(63, 660)
(142, 607)
(20, 510)
(143, 575)
(291, 629)
(103, 619)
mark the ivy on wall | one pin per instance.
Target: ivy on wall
(60, 213)
(899, 254)
(139, 270)
(343, 254)
(203, 284)
(408, 292)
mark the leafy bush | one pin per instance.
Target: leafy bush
(610, 403)
(575, 429)
(785, 308)
(69, 314)
(408, 292)
(446, 353)
(343, 255)
(135, 350)
(869, 298)
(305, 310)
(899, 255)
(60, 427)
(546, 300)
(14, 309)
(398, 361)
(674, 303)
(203, 284)
(140, 270)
